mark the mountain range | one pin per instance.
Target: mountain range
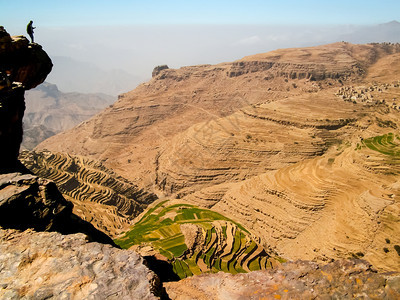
(72, 75)
(50, 111)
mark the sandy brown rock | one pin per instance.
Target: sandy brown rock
(345, 279)
(43, 265)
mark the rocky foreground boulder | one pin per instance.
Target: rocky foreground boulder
(342, 279)
(49, 265)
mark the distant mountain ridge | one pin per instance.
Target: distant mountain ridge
(386, 32)
(77, 76)
(50, 111)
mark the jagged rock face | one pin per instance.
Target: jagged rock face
(27, 201)
(158, 69)
(295, 280)
(335, 61)
(12, 108)
(27, 65)
(23, 62)
(48, 265)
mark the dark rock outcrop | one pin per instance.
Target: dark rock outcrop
(12, 108)
(27, 201)
(22, 66)
(22, 61)
(158, 69)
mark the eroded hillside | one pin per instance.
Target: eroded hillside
(291, 144)
(128, 137)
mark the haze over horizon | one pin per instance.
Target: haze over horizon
(135, 36)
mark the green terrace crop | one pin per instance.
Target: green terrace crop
(222, 244)
(388, 144)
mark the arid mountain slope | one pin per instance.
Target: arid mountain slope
(343, 204)
(129, 135)
(50, 111)
(255, 139)
(298, 145)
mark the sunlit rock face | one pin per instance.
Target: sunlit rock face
(341, 279)
(49, 265)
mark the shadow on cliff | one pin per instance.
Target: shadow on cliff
(162, 268)
(28, 201)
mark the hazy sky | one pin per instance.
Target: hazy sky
(119, 12)
(137, 35)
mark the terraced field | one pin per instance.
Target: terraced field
(383, 153)
(87, 182)
(196, 240)
(342, 204)
(388, 144)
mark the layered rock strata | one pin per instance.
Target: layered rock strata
(159, 135)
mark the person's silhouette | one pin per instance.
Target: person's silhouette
(29, 29)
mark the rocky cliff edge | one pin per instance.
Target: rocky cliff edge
(23, 66)
(46, 251)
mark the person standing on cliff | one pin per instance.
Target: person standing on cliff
(29, 29)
